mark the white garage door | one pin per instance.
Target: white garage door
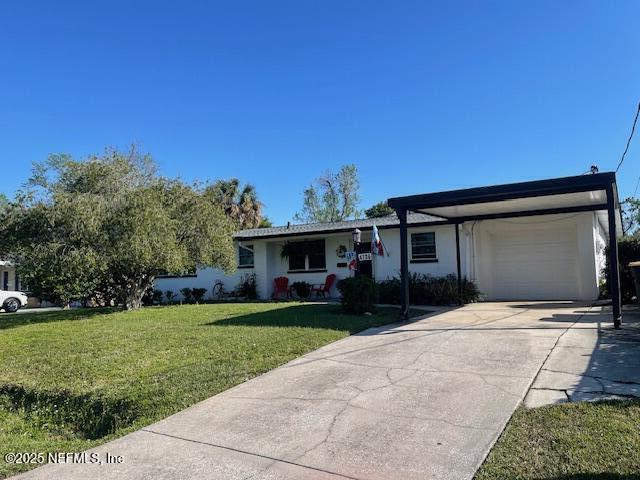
(535, 263)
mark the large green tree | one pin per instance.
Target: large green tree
(110, 222)
(4, 203)
(631, 215)
(333, 197)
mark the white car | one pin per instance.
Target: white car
(11, 301)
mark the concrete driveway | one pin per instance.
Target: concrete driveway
(423, 400)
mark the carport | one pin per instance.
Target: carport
(585, 193)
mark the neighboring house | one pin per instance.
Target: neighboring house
(536, 256)
(9, 280)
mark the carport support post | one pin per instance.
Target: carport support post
(614, 273)
(404, 265)
(457, 225)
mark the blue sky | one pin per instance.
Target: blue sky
(421, 96)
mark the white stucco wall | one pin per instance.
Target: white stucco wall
(389, 266)
(279, 267)
(268, 263)
(205, 278)
(478, 254)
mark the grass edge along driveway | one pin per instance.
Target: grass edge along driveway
(572, 441)
(73, 379)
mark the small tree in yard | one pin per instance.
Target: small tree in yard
(333, 197)
(110, 220)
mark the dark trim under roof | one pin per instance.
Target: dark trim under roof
(497, 193)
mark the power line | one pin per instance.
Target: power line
(633, 128)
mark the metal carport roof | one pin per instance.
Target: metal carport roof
(593, 192)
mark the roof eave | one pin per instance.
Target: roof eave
(510, 191)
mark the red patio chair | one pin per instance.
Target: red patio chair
(324, 288)
(280, 285)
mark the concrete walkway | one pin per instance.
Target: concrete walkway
(423, 400)
(591, 362)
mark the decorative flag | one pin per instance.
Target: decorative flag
(376, 243)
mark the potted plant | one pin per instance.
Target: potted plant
(285, 252)
(302, 289)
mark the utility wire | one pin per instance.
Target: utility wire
(633, 128)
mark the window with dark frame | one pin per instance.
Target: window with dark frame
(423, 246)
(307, 255)
(316, 255)
(245, 256)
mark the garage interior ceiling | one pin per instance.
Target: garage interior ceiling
(580, 199)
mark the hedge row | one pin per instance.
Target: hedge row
(628, 251)
(358, 294)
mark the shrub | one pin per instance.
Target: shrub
(628, 251)
(187, 295)
(198, 294)
(248, 287)
(170, 296)
(389, 291)
(152, 297)
(358, 294)
(302, 289)
(429, 290)
(157, 296)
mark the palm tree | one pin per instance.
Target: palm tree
(241, 205)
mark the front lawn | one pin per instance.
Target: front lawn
(576, 441)
(70, 380)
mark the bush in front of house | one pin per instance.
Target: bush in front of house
(170, 296)
(198, 294)
(248, 287)
(628, 251)
(187, 295)
(152, 297)
(157, 296)
(358, 294)
(429, 290)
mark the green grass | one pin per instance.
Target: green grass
(73, 379)
(577, 441)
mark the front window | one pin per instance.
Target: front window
(423, 246)
(307, 256)
(245, 256)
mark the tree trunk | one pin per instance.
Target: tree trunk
(133, 299)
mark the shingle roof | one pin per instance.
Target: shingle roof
(389, 221)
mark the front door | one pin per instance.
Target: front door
(365, 267)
